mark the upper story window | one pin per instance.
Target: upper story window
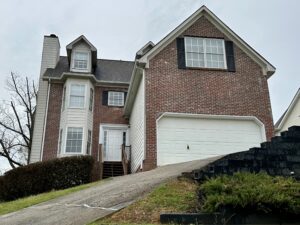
(115, 98)
(77, 96)
(205, 52)
(81, 60)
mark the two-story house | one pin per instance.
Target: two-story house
(200, 92)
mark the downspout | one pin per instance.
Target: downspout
(45, 121)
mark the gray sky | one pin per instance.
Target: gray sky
(119, 28)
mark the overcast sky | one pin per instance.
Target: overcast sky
(119, 28)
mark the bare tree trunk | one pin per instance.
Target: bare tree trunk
(16, 121)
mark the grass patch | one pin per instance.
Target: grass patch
(12, 206)
(175, 196)
(246, 192)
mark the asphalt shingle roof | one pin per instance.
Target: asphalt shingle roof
(106, 70)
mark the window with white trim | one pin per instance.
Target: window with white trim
(115, 98)
(205, 52)
(64, 99)
(74, 140)
(77, 96)
(60, 140)
(105, 143)
(89, 143)
(81, 60)
(91, 99)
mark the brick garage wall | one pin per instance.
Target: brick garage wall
(169, 89)
(104, 114)
(53, 119)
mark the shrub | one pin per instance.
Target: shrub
(45, 176)
(246, 192)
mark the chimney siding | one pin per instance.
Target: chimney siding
(50, 57)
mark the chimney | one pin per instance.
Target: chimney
(50, 57)
(51, 52)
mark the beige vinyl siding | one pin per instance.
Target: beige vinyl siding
(137, 128)
(50, 58)
(76, 117)
(292, 119)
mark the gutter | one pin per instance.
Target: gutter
(92, 77)
(45, 121)
(136, 77)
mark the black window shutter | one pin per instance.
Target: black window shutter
(230, 56)
(125, 96)
(181, 53)
(104, 97)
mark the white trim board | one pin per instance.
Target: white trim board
(288, 111)
(107, 126)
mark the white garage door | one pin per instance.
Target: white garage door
(184, 139)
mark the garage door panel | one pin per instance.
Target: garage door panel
(198, 136)
(205, 138)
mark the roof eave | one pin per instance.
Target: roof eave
(133, 87)
(287, 112)
(89, 76)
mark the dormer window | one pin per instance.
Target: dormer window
(81, 60)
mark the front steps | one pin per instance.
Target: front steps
(112, 169)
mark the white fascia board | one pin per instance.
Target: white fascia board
(90, 76)
(289, 109)
(81, 37)
(268, 68)
(133, 88)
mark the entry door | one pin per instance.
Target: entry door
(113, 142)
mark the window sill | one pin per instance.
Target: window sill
(207, 69)
(115, 106)
(70, 154)
(83, 108)
(80, 71)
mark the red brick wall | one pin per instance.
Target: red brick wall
(169, 89)
(53, 119)
(105, 114)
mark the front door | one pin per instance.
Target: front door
(113, 139)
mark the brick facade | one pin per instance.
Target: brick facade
(202, 91)
(104, 114)
(169, 89)
(53, 119)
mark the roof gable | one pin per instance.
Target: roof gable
(82, 38)
(279, 124)
(268, 68)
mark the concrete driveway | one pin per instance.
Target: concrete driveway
(90, 204)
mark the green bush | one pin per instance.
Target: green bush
(246, 193)
(45, 176)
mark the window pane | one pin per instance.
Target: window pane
(80, 60)
(77, 95)
(204, 52)
(91, 99)
(115, 98)
(74, 140)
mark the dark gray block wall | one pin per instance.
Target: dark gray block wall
(280, 156)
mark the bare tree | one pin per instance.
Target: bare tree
(16, 121)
